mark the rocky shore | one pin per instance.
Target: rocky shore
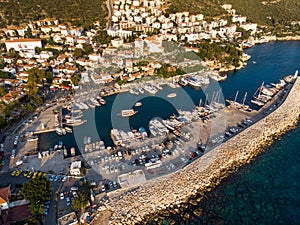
(169, 192)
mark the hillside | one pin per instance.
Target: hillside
(78, 12)
(276, 12)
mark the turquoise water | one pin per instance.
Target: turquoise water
(273, 60)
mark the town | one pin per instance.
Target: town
(45, 65)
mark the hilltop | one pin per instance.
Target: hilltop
(275, 12)
(77, 12)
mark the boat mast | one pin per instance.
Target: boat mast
(244, 98)
(200, 102)
(237, 92)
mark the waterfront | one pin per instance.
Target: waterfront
(266, 191)
(273, 61)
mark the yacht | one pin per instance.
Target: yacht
(128, 112)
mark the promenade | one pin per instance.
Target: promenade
(206, 172)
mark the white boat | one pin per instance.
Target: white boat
(138, 104)
(194, 82)
(128, 112)
(150, 89)
(172, 95)
(58, 131)
(68, 129)
(141, 90)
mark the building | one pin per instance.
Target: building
(23, 44)
(4, 198)
(68, 219)
(75, 168)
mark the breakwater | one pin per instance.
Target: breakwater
(202, 175)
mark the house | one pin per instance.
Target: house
(75, 168)
(23, 44)
(4, 198)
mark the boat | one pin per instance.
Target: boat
(234, 103)
(63, 130)
(138, 104)
(65, 152)
(245, 107)
(150, 89)
(58, 131)
(60, 144)
(102, 101)
(257, 102)
(141, 90)
(72, 151)
(194, 82)
(68, 129)
(183, 82)
(128, 112)
(172, 95)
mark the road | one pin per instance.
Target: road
(51, 216)
(110, 12)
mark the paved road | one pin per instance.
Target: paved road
(51, 216)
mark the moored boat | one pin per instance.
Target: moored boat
(128, 112)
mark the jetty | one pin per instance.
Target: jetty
(138, 203)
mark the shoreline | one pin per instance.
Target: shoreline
(205, 173)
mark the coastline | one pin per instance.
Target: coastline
(202, 175)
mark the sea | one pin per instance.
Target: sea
(266, 191)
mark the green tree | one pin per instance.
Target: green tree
(102, 37)
(2, 91)
(77, 53)
(37, 191)
(87, 49)
(79, 203)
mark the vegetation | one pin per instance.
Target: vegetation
(36, 78)
(6, 75)
(76, 12)
(168, 71)
(273, 13)
(37, 191)
(208, 8)
(226, 53)
(80, 202)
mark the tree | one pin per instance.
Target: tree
(79, 203)
(77, 53)
(37, 191)
(102, 37)
(2, 91)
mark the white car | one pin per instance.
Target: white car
(61, 196)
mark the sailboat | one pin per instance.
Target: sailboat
(259, 99)
(234, 104)
(245, 107)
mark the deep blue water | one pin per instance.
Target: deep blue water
(273, 60)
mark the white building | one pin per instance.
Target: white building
(75, 168)
(23, 44)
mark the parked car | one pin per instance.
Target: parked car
(61, 196)
(68, 201)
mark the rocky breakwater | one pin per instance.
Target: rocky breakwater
(168, 193)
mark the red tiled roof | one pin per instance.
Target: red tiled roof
(4, 194)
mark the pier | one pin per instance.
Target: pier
(206, 172)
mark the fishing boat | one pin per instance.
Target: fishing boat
(128, 112)
(172, 95)
(138, 104)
